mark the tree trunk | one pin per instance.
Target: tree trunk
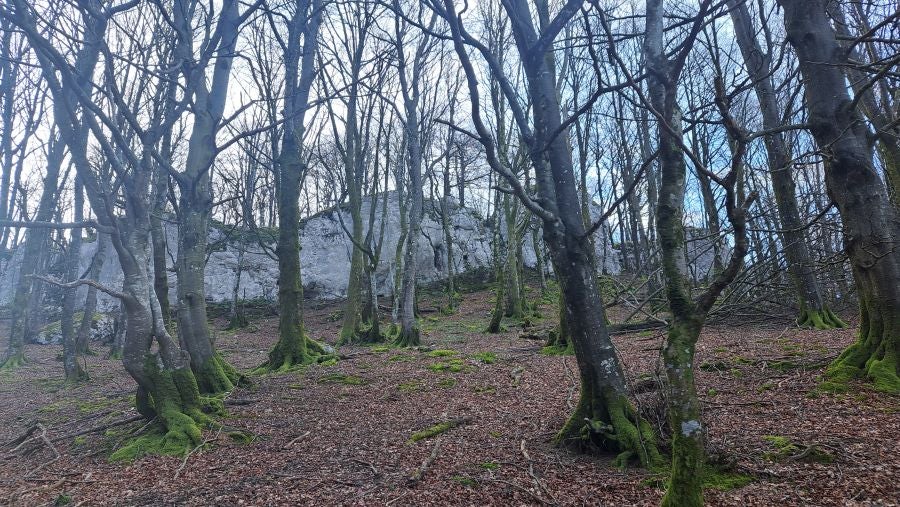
(870, 220)
(813, 311)
(35, 243)
(71, 355)
(83, 338)
(513, 307)
(293, 347)
(604, 416)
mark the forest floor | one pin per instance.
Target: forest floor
(340, 434)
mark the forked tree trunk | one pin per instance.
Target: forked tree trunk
(871, 225)
(214, 375)
(604, 416)
(293, 347)
(688, 315)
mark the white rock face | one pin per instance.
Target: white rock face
(325, 256)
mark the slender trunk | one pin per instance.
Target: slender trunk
(293, 347)
(160, 270)
(409, 325)
(71, 354)
(236, 317)
(448, 236)
(513, 307)
(403, 211)
(813, 311)
(83, 338)
(35, 243)
(870, 220)
(604, 413)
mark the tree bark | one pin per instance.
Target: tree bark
(604, 416)
(293, 347)
(71, 354)
(813, 311)
(870, 220)
(83, 338)
(35, 242)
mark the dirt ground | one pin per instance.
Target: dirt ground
(340, 434)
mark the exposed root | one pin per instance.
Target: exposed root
(820, 319)
(615, 427)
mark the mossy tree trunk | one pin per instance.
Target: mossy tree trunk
(813, 311)
(214, 375)
(496, 320)
(604, 415)
(354, 158)
(293, 347)
(167, 388)
(410, 74)
(688, 315)
(871, 222)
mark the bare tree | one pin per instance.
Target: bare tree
(871, 225)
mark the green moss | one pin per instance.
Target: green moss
(485, 389)
(766, 386)
(489, 465)
(495, 434)
(784, 448)
(712, 479)
(79, 441)
(13, 362)
(432, 431)
(873, 357)
(556, 350)
(340, 378)
(724, 481)
(86, 407)
(241, 436)
(464, 480)
(447, 383)
(442, 353)
(884, 374)
(485, 357)
(784, 365)
(62, 499)
(452, 366)
(378, 349)
(411, 386)
(331, 361)
(292, 353)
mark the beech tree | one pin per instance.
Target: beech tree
(813, 310)
(869, 219)
(299, 48)
(604, 416)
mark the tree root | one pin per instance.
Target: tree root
(820, 319)
(858, 361)
(615, 426)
